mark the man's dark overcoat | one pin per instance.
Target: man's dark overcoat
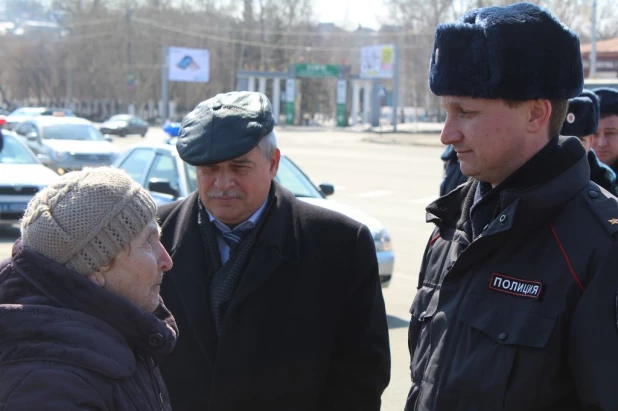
(305, 330)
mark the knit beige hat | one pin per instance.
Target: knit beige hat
(86, 218)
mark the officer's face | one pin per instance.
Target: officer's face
(605, 142)
(491, 139)
(233, 190)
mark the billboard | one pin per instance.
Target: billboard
(377, 61)
(188, 64)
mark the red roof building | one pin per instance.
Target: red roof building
(607, 58)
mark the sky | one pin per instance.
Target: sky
(350, 13)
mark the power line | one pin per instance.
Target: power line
(304, 47)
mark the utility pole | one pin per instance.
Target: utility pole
(69, 98)
(593, 42)
(130, 76)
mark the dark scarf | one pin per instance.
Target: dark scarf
(483, 203)
(225, 277)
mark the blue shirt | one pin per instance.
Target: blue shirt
(224, 249)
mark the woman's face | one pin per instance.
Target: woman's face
(137, 271)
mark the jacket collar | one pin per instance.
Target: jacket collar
(46, 282)
(56, 314)
(279, 232)
(531, 203)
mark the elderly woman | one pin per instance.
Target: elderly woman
(80, 316)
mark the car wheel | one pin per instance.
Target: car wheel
(122, 133)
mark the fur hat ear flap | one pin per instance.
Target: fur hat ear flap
(608, 98)
(459, 60)
(582, 117)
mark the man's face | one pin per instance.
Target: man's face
(233, 190)
(605, 142)
(137, 271)
(488, 136)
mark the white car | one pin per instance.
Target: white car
(159, 168)
(70, 143)
(22, 175)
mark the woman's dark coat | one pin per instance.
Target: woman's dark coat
(67, 344)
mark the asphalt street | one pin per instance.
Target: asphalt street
(390, 179)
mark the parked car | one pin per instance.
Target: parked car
(22, 114)
(124, 124)
(159, 168)
(69, 143)
(22, 175)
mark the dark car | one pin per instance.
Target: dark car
(123, 125)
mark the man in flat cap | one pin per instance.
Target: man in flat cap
(517, 292)
(582, 121)
(606, 139)
(278, 302)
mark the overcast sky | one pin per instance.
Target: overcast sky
(350, 13)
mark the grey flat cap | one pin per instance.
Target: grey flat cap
(224, 127)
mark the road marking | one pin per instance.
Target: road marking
(378, 193)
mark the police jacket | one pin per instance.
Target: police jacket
(524, 316)
(67, 344)
(602, 174)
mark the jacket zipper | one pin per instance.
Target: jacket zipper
(150, 365)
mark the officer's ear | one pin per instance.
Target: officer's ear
(539, 114)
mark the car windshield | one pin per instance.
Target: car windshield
(292, 178)
(27, 111)
(191, 177)
(72, 132)
(120, 117)
(15, 153)
(289, 176)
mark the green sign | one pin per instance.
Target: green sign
(342, 95)
(341, 116)
(289, 113)
(317, 70)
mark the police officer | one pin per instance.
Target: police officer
(606, 139)
(452, 173)
(516, 301)
(582, 121)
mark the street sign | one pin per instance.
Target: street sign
(377, 61)
(130, 82)
(192, 65)
(317, 70)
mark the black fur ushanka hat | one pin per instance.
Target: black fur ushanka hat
(518, 52)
